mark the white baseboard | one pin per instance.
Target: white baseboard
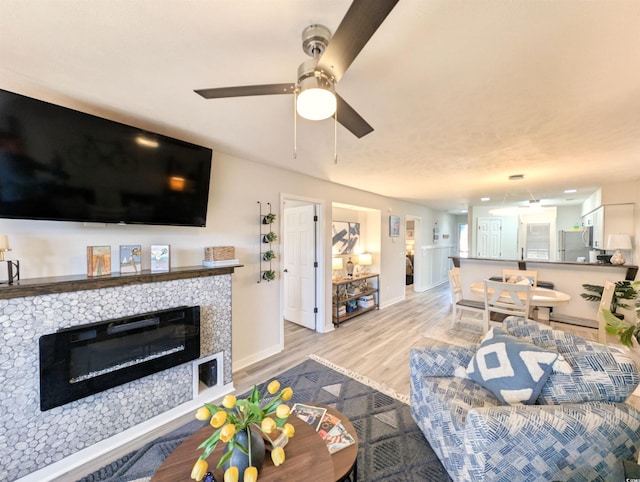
(392, 302)
(84, 456)
(256, 357)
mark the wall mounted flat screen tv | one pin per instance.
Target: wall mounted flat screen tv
(61, 164)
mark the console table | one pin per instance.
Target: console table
(354, 296)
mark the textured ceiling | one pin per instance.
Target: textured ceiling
(461, 94)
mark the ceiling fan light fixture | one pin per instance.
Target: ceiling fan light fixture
(316, 99)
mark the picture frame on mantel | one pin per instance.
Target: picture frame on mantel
(394, 226)
(160, 257)
(130, 261)
(98, 261)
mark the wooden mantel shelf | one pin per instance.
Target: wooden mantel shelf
(64, 284)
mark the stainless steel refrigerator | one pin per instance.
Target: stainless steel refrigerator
(573, 245)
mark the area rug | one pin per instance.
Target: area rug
(391, 449)
(464, 332)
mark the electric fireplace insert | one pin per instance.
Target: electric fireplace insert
(83, 360)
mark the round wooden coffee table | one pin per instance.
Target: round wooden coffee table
(306, 455)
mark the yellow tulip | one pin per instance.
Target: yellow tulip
(277, 456)
(229, 401)
(218, 419)
(289, 430)
(283, 411)
(267, 425)
(227, 433)
(199, 469)
(273, 387)
(231, 474)
(250, 474)
(287, 393)
(203, 413)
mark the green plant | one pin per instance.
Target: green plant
(624, 291)
(270, 237)
(268, 255)
(268, 218)
(625, 330)
(269, 275)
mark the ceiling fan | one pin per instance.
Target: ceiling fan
(331, 57)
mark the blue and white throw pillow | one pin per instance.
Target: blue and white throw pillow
(512, 369)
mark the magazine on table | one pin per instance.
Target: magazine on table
(327, 423)
(309, 413)
(338, 438)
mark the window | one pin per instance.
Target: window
(538, 241)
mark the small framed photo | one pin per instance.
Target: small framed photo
(394, 226)
(98, 260)
(130, 258)
(160, 257)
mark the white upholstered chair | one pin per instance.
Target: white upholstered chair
(509, 299)
(605, 303)
(458, 303)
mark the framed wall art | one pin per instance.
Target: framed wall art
(394, 226)
(345, 237)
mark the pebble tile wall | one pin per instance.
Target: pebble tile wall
(31, 439)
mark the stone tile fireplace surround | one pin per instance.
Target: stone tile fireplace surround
(30, 439)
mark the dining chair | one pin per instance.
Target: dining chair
(605, 303)
(510, 299)
(458, 303)
(519, 274)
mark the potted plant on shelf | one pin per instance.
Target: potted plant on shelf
(270, 237)
(239, 423)
(268, 255)
(625, 330)
(268, 218)
(269, 275)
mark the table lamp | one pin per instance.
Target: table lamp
(4, 247)
(336, 266)
(618, 242)
(365, 260)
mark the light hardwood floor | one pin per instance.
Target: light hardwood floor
(375, 345)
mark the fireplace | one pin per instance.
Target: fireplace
(87, 359)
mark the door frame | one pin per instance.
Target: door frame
(319, 256)
(417, 251)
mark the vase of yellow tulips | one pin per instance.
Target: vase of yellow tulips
(239, 423)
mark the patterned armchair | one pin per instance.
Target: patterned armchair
(578, 429)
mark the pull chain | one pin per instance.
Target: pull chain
(335, 137)
(295, 125)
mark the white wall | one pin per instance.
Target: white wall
(568, 217)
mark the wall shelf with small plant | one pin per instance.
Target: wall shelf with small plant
(267, 238)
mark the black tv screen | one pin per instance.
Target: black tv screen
(61, 164)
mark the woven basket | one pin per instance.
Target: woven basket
(219, 253)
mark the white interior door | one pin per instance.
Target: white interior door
(489, 237)
(299, 265)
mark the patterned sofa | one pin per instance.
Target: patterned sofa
(578, 429)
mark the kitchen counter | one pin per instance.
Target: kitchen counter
(630, 275)
(566, 277)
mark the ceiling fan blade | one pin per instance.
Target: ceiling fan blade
(349, 118)
(358, 25)
(246, 90)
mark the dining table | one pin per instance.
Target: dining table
(542, 299)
